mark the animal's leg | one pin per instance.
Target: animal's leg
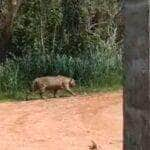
(41, 95)
(55, 91)
(69, 90)
(41, 92)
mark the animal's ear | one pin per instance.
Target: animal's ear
(71, 80)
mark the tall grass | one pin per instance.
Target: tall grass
(100, 67)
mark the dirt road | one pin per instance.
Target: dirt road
(63, 123)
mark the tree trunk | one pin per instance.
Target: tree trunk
(5, 39)
(136, 86)
(6, 25)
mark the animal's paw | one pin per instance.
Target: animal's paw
(74, 94)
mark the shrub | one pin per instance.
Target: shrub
(99, 67)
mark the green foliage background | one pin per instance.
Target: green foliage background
(51, 37)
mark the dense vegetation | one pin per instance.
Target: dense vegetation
(68, 37)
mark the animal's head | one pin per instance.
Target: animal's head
(72, 83)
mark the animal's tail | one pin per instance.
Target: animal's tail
(28, 91)
(34, 86)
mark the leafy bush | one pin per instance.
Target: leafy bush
(46, 40)
(98, 68)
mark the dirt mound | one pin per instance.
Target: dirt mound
(63, 123)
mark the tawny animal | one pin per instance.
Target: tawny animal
(53, 83)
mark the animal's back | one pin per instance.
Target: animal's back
(51, 82)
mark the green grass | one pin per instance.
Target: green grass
(21, 96)
(98, 70)
(95, 64)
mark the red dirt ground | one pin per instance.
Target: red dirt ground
(63, 123)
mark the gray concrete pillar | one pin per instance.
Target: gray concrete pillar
(137, 76)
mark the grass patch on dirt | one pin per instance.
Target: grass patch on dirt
(21, 95)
